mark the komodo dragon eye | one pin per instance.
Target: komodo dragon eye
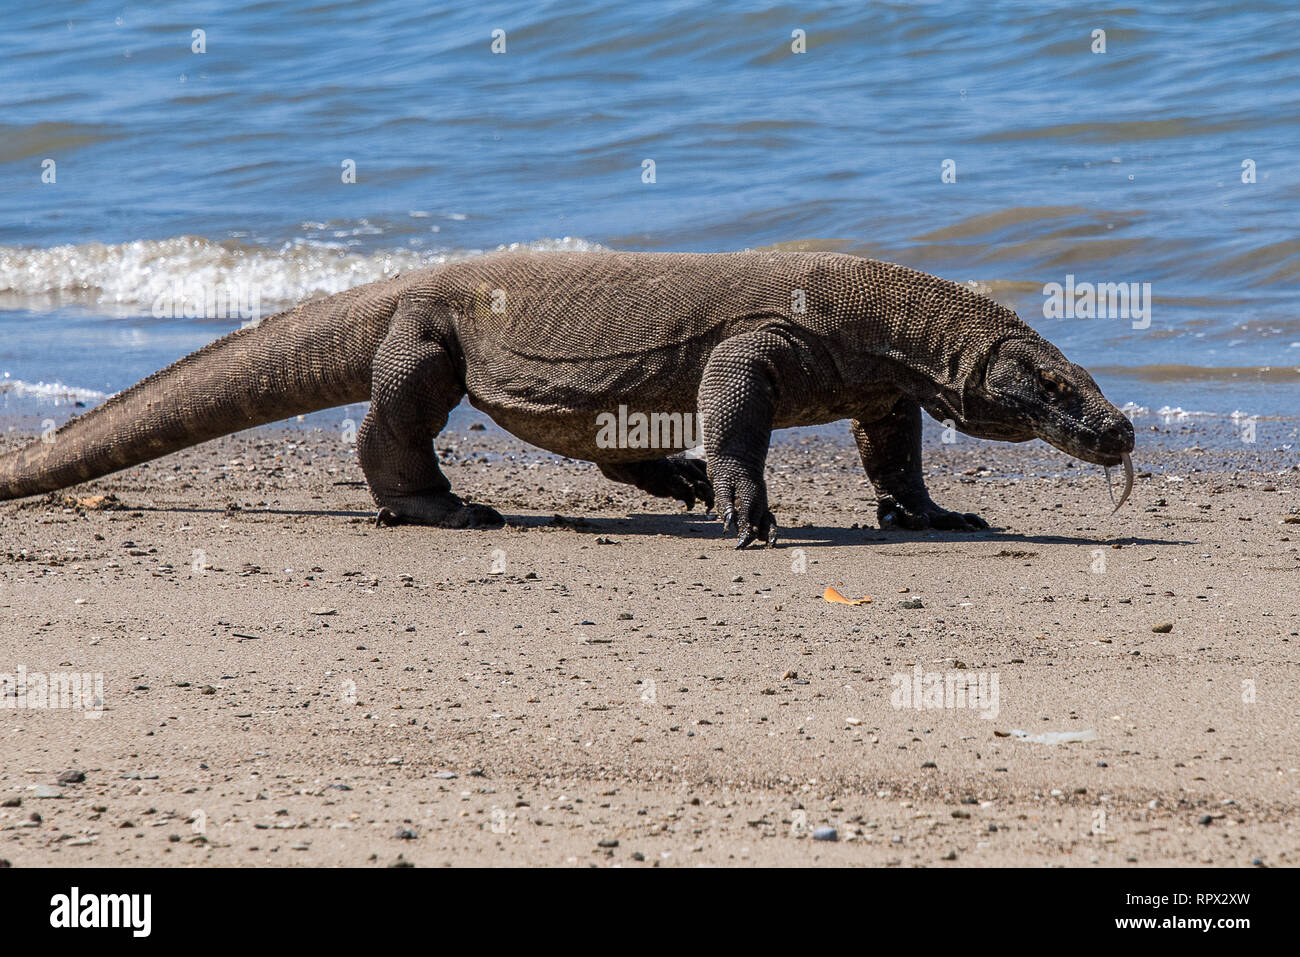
(1053, 383)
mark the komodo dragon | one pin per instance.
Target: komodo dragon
(544, 343)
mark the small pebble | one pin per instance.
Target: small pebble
(826, 834)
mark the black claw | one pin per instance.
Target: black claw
(729, 519)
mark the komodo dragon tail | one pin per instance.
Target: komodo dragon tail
(312, 357)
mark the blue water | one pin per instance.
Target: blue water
(1122, 166)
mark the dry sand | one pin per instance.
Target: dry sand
(285, 684)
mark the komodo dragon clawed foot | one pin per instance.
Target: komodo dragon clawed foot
(441, 511)
(890, 446)
(676, 476)
(890, 513)
(743, 503)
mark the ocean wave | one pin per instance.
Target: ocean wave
(1176, 413)
(56, 392)
(1172, 372)
(135, 274)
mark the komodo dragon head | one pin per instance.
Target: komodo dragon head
(1030, 390)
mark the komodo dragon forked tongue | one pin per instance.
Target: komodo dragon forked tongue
(1128, 482)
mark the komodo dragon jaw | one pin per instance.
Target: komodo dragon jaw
(1030, 390)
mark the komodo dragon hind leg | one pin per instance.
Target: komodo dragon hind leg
(674, 476)
(890, 448)
(414, 386)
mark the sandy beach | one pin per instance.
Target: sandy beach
(606, 682)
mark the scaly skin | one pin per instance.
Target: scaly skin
(544, 343)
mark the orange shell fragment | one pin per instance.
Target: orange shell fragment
(831, 595)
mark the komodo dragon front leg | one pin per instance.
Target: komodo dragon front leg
(739, 394)
(890, 447)
(414, 386)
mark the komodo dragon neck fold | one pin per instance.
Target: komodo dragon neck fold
(547, 343)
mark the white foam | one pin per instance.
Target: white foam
(134, 274)
(1180, 414)
(1177, 413)
(55, 391)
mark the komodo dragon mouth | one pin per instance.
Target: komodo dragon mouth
(1030, 390)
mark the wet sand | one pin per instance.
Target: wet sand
(285, 684)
